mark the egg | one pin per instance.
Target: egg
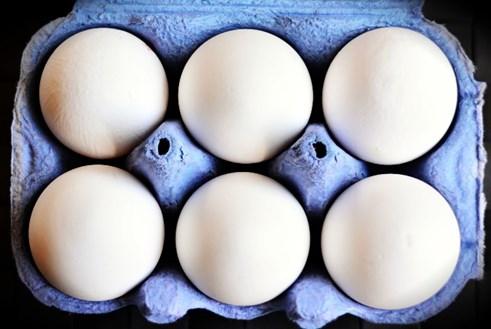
(389, 95)
(242, 238)
(390, 241)
(102, 91)
(245, 95)
(96, 232)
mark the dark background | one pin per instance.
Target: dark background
(468, 20)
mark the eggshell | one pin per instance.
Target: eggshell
(389, 95)
(102, 92)
(242, 238)
(96, 232)
(245, 95)
(390, 241)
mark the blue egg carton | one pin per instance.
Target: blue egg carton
(314, 168)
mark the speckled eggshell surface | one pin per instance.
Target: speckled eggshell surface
(315, 168)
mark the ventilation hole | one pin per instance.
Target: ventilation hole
(164, 146)
(320, 149)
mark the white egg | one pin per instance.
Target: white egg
(390, 241)
(242, 238)
(96, 232)
(102, 92)
(389, 95)
(245, 95)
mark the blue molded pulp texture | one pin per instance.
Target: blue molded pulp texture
(314, 168)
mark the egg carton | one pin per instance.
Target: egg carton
(314, 168)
